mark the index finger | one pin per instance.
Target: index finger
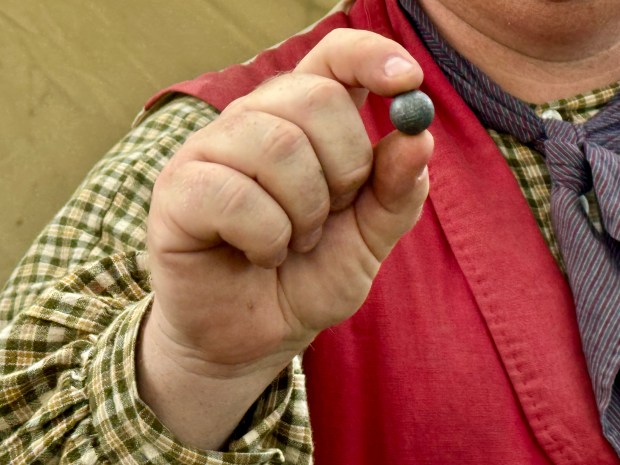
(363, 59)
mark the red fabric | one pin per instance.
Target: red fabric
(467, 349)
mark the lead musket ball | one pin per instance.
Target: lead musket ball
(412, 112)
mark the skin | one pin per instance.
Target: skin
(537, 50)
(246, 271)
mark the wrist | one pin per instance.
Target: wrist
(199, 401)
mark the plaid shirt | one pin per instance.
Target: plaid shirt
(70, 314)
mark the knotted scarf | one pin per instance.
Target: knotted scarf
(579, 157)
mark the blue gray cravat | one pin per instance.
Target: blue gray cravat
(580, 157)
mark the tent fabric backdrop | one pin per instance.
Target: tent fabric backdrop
(74, 74)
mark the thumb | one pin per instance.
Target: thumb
(391, 203)
(363, 61)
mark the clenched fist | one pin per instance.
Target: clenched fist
(270, 224)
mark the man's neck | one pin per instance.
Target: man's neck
(537, 50)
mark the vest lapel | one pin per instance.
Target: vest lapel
(521, 293)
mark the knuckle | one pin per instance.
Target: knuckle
(315, 199)
(279, 239)
(365, 41)
(235, 105)
(312, 208)
(322, 92)
(273, 242)
(283, 140)
(351, 179)
(368, 43)
(233, 196)
(317, 213)
(336, 36)
(173, 178)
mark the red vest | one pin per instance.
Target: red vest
(467, 350)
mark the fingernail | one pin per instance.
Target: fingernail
(271, 262)
(422, 173)
(396, 66)
(342, 202)
(307, 242)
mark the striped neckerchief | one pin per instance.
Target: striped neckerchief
(580, 158)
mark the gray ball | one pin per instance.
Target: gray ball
(412, 112)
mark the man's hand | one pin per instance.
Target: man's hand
(270, 224)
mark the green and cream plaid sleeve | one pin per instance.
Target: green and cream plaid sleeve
(69, 318)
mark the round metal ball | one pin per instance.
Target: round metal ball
(412, 112)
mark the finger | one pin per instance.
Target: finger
(363, 59)
(323, 109)
(391, 204)
(279, 156)
(199, 205)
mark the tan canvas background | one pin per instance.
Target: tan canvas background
(73, 74)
